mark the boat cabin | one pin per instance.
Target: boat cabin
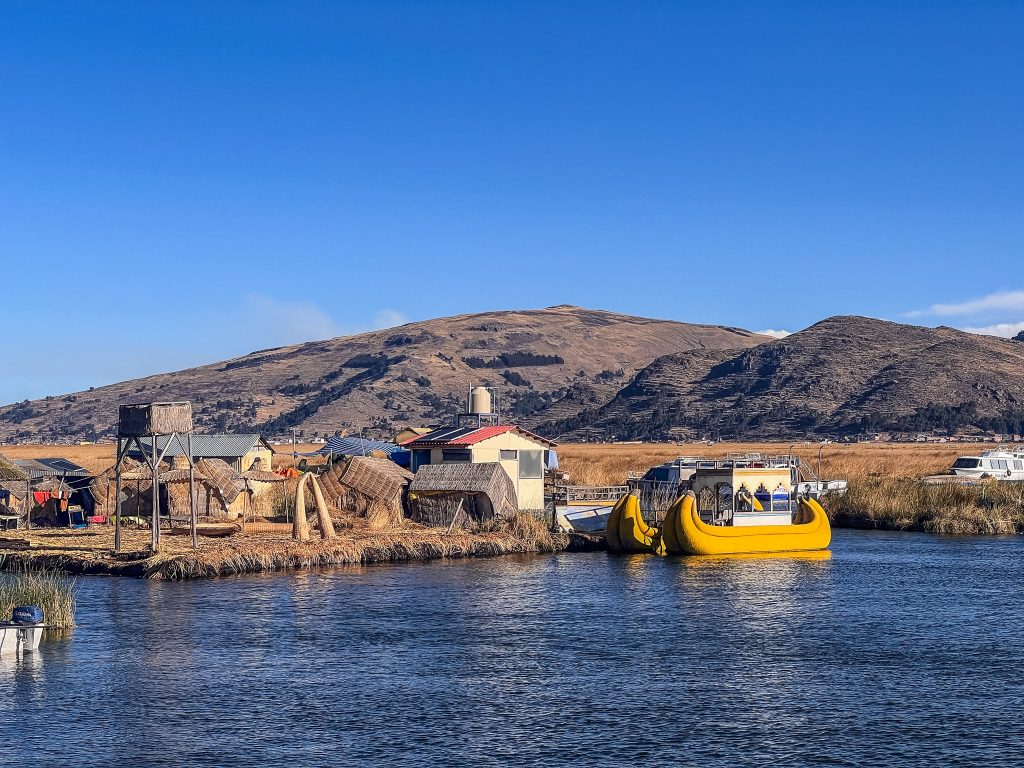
(744, 493)
(1000, 465)
(760, 475)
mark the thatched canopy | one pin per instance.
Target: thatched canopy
(368, 486)
(9, 471)
(225, 481)
(484, 491)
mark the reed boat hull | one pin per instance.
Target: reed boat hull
(684, 533)
(626, 530)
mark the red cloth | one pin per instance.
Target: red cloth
(41, 497)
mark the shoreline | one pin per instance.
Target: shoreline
(249, 553)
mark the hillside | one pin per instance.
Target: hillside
(844, 375)
(550, 364)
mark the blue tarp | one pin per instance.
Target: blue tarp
(357, 446)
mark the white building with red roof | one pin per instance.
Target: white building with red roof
(522, 454)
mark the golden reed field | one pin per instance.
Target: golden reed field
(607, 464)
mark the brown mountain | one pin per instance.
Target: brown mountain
(844, 375)
(549, 364)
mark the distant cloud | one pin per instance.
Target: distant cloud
(279, 322)
(774, 333)
(999, 329)
(288, 322)
(1000, 301)
(388, 318)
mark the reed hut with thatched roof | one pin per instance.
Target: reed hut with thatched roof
(13, 490)
(370, 487)
(135, 491)
(442, 494)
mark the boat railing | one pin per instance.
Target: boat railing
(570, 493)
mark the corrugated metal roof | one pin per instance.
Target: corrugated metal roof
(470, 436)
(205, 446)
(51, 467)
(356, 446)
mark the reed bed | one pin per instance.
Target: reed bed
(30, 584)
(904, 504)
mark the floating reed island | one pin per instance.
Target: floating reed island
(91, 551)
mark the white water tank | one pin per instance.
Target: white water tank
(479, 400)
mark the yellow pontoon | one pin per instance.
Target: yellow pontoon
(627, 531)
(684, 533)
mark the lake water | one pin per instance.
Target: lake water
(896, 650)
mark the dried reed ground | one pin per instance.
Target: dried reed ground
(91, 551)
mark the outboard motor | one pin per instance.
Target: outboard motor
(27, 614)
(23, 632)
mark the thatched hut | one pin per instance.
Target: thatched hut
(439, 493)
(265, 491)
(136, 499)
(13, 487)
(369, 487)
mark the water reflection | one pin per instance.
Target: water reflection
(559, 660)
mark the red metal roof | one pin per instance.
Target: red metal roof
(470, 436)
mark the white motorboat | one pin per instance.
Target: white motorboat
(999, 465)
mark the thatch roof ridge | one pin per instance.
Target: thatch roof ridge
(10, 471)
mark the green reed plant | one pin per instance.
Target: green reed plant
(51, 590)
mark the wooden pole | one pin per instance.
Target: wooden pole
(117, 493)
(192, 493)
(155, 517)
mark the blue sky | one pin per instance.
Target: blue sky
(263, 173)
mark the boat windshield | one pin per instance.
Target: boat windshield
(966, 462)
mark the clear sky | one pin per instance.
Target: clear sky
(243, 175)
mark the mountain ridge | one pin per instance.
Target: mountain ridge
(383, 379)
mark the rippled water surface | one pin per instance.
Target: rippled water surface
(896, 650)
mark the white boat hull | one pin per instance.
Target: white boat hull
(584, 518)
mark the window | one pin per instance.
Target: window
(966, 463)
(453, 455)
(764, 498)
(780, 499)
(1018, 464)
(531, 465)
(998, 463)
(505, 455)
(744, 501)
(724, 492)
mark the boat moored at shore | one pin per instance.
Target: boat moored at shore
(998, 465)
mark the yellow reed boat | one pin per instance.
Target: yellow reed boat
(747, 505)
(684, 533)
(626, 530)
